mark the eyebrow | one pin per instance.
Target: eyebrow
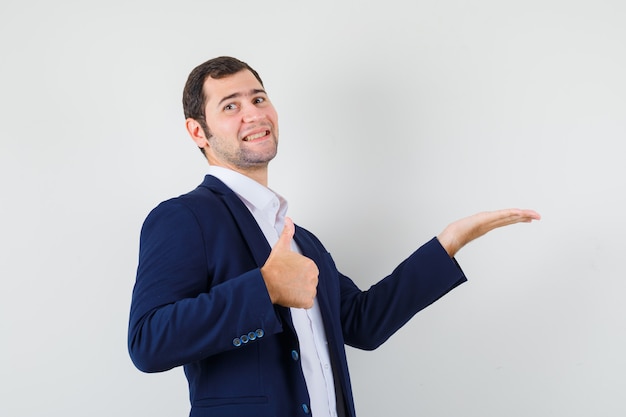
(237, 95)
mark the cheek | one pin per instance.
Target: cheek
(224, 128)
(273, 116)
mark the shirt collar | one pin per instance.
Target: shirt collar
(254, 195)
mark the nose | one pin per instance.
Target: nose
(252, 114)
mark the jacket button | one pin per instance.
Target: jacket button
(244, 338)
(259, 333)
(294, 354)
(236, 342)
(251, 335)
(306, 409)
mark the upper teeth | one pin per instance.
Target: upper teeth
(255, 136)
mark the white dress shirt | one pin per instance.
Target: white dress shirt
(269, 210)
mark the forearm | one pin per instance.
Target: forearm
(191, 329)
(371, 317)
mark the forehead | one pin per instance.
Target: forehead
(242, 83)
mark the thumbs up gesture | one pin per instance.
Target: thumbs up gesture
(290, 278)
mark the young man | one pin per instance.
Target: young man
(251, 305)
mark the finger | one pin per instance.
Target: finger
(518, 215)
(531, 215)
(284, 240)
(506, 217)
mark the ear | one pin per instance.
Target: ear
(196, 132)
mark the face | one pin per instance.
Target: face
(242, 123)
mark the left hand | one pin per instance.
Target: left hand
(461, 232)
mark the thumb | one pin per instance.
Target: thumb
(284, 241)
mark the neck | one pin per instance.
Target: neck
(258, 174)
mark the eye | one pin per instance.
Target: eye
(258, 100)
(231, 106)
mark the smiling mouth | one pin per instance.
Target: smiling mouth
(256, 136)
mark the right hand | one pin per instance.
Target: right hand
(291, 279)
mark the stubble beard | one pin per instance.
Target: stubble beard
(244, 157)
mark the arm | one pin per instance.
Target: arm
(371, 317)
(182, 311)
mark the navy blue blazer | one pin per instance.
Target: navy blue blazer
(200, 301)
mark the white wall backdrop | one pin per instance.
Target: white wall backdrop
(397, 117)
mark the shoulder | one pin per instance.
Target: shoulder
(206, 195)
(193, 206)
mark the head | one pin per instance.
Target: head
(194, 97)
(230, 117)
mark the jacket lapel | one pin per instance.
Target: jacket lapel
(249, 229)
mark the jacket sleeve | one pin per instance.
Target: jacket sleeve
(370, 317)
(179, 312)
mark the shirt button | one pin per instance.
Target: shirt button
(295, 355)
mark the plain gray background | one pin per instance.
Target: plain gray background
(397, 117)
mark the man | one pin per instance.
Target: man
(251, 305)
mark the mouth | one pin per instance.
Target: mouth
(256, 136)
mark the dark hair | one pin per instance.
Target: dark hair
(193, 94)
